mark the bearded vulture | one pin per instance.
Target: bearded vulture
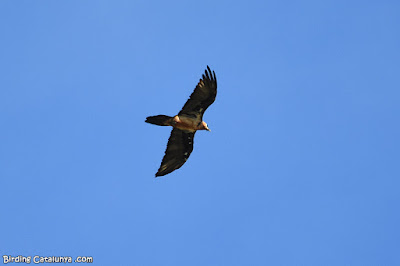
(186, 123)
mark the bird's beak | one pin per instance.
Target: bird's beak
(208, 129)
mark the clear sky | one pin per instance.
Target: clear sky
(302, 165)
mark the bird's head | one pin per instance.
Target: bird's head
(204, 126)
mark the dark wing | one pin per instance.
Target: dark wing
(179, 147)
(202, 97)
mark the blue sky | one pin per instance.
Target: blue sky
(301, 166)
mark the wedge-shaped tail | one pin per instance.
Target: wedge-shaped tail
(159, 120)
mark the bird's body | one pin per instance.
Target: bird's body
(191, 124)
(186, 123)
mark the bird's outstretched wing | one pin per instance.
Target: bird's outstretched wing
(179, 147)
(202, 97)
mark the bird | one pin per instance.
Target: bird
(186, 123)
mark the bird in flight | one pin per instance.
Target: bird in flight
(186, 123)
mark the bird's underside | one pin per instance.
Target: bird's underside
(186, 123)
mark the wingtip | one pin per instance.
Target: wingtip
(158, 174)
(210, 73)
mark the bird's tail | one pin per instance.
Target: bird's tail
(160, 120)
